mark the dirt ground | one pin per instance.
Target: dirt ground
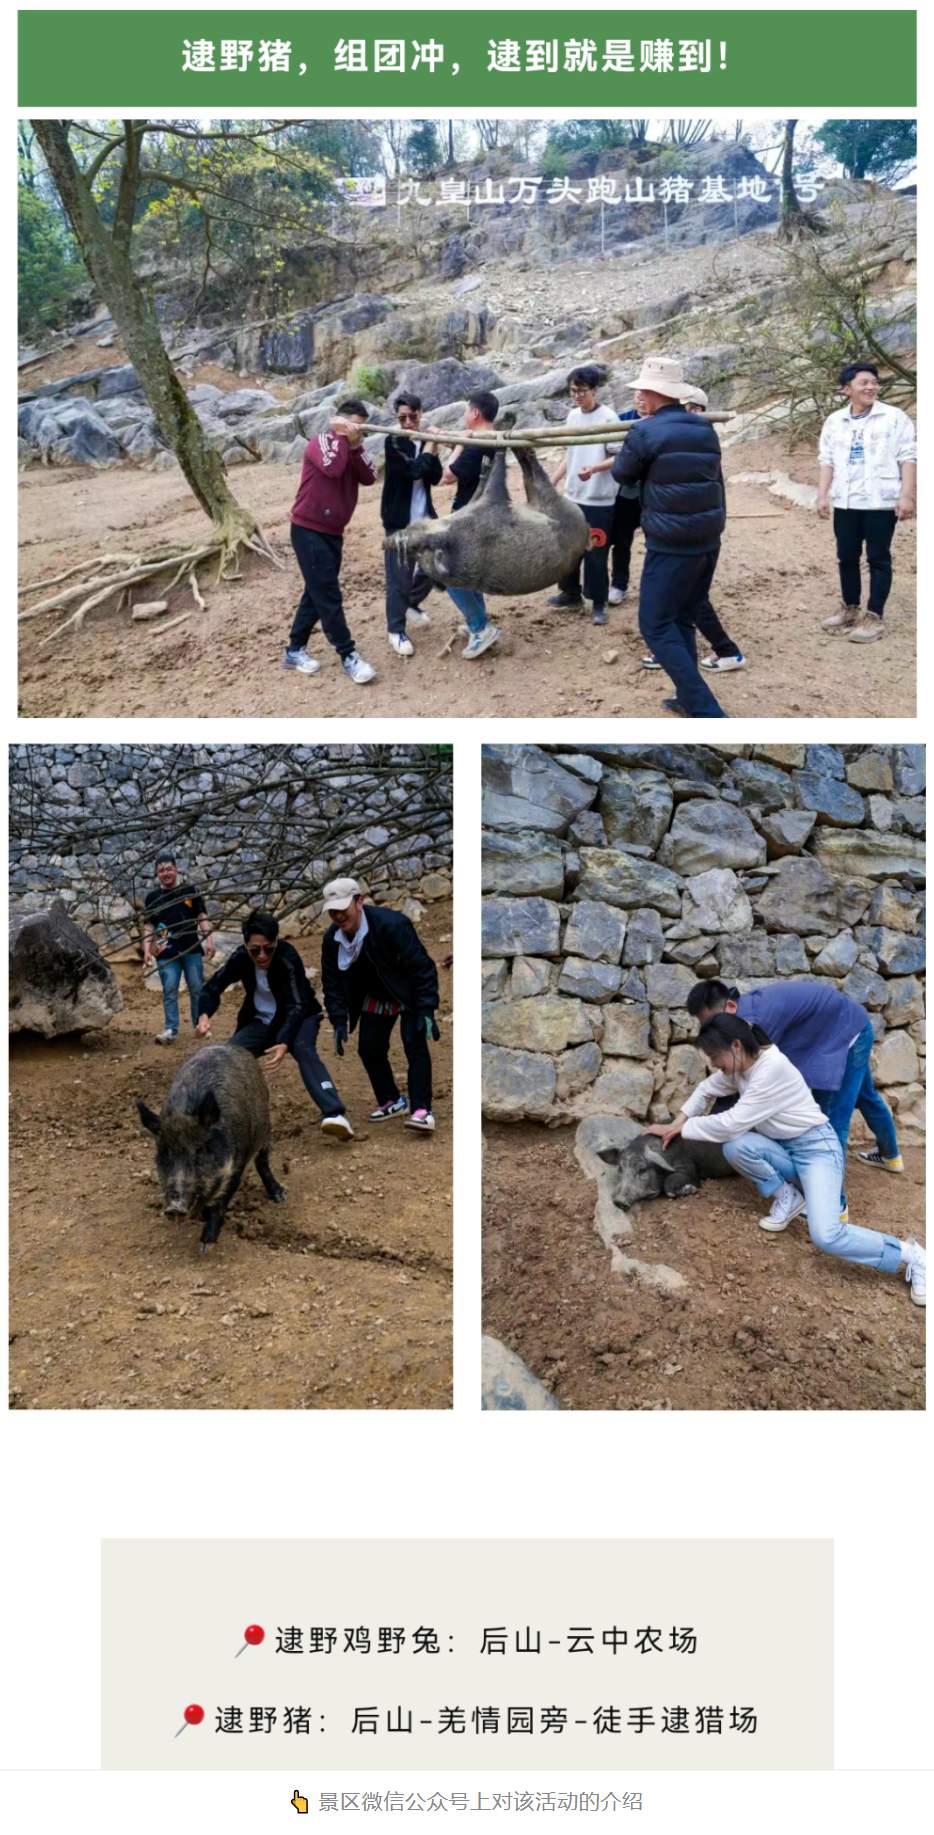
(765, 1321)
(340, 1298)
(775, 582)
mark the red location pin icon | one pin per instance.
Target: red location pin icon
(254, 1634)
(193, 1716)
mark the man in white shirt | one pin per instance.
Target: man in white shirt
(594, 490)
(868, 468)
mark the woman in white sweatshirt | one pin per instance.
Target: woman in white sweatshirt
(776, 1135)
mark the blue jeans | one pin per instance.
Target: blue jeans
(170, 975)
(472, 607)
(857, 1091)
(814, 1163)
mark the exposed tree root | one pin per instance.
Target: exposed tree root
(113, 576)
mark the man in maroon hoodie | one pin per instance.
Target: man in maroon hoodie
(333, 469)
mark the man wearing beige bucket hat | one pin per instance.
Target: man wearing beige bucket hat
(375, 970)
(674, 456)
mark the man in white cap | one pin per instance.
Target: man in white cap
(674, 456)
(375, 970)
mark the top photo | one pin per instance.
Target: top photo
(467, 418)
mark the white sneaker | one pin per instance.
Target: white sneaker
(339, 1126)
(400, 643)
(300, 659)
(724, 664)
(166, 1037)
(418, 620)
(481, 641)
(358, 671)
(616, 595)
(916, 1272)
(788, 1202)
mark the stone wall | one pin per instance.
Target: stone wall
(250, 824)
(614, 877)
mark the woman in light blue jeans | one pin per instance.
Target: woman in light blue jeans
(776, 1135)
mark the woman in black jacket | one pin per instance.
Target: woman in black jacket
(375, 970)
(409, 474)
(279, 1013)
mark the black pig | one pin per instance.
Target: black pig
(646, 1169)
(214, 1120)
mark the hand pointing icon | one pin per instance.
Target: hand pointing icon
(299, 1803)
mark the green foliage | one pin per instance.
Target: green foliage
(585, 136)
(370, 381)
(423, 149)
(884, 150)
(50, 273)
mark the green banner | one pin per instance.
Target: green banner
(576, 58)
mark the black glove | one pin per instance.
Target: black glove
(340, 1039)
(429, 1023)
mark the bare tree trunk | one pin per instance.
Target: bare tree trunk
(107, 259)
(794, 220)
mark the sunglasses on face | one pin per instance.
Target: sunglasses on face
(260, 949)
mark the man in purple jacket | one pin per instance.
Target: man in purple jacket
(828, 1038)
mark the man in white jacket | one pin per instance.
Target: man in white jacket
(868, 466)
(594, 489)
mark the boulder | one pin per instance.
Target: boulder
(525, 788)
(523, 864)
(577, 1069)
(545, 1023)
(904, 1001)
(59, 981)
(897, 953)
(506, 1382)
(595, 930)
(241, 402)
(446, 379)
(685, 1068)
(791, 957)
(895, 1060)
(871, 771)
(705, 835)
(668, 984)
(517, 1085)
(520, 927)
(589, 768)
(832, 800)
(825, 760)
(530, 976)
(587, 829)
(740, 957)
(636, 807)
(908, 769)
(791, 757)
(618, 878)
(838, 956)
(866, 854)
(786, 831)
(762, 784)
(494, 979)
(645, 938)
(597, 981)
(626, 1031)
(624, 1087)
(121, 380)
(714, 901)
(802, 897)
(866, 988)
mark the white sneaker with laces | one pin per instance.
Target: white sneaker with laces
(724, 664)
(616, 595)
(916, 1272)
(339, 1126)
(418, 620)
(788, 1202)
(358, 670)
(400, 643)
(300, 660)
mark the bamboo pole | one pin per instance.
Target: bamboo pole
(607, 435)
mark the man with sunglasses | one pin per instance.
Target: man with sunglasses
(412, 467)
(375, 970)
(279, 1013)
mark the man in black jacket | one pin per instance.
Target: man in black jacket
(411, 470)
(375, 970)
(675, 456)
(279, 1013)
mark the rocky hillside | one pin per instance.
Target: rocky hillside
(506, 297)
(616, 876)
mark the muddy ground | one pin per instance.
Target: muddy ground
(340, 1298)
(765, 1321)
(775, 582)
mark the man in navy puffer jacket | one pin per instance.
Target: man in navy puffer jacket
(675, 456)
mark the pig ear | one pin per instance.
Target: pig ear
(208, 1111)
(609, 1156)
(148, 1119)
